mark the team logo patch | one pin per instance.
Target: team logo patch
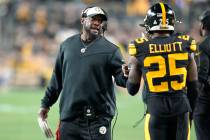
(102, 130)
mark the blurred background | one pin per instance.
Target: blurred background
(30, 34)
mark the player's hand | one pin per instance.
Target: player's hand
(43, 113)
(125, 70)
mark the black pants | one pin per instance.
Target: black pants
(85, 129)
(170, 128)
(202, 126)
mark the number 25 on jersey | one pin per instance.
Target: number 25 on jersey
(162, 72)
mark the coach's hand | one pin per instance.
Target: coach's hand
(43, 124)
(43, 113)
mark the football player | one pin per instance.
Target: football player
(202, 110)
(166, 62)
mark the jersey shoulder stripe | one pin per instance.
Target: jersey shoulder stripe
(141, 40)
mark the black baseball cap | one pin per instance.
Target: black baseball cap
(93, 11)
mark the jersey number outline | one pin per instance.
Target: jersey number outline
(173, 71)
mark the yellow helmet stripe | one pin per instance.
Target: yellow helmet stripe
(163, 14)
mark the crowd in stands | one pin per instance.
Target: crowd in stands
(31, 31)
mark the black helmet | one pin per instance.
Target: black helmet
(160, 17)
(94, 10)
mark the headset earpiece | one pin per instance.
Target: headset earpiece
(104, 26)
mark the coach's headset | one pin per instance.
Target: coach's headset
(94, 10)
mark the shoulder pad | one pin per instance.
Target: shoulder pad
(141, 40)
(132, 49)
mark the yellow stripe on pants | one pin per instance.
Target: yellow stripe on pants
(146, 127)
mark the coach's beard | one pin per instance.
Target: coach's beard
(95, 32)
